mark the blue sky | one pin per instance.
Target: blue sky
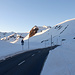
(22, 15)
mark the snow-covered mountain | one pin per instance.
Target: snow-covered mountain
(63, 30)
(5, 34)
(41, 30)
(60, 61)
(12, 37)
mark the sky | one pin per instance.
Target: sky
(22, 15)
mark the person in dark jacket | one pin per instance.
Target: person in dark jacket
(22, 42)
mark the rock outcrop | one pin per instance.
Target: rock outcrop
(33, 31)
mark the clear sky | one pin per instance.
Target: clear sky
(22, 15)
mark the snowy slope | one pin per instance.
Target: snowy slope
(42, 29)
(13, 37)
(7, 49)
(63, 31)
(5, 34)
(61, 60)
(19, 37)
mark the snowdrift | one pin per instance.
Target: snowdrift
(61, 60)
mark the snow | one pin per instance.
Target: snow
(13, 37)
(60, 61)
(7, 49)
(41, 28)
(12, 46)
